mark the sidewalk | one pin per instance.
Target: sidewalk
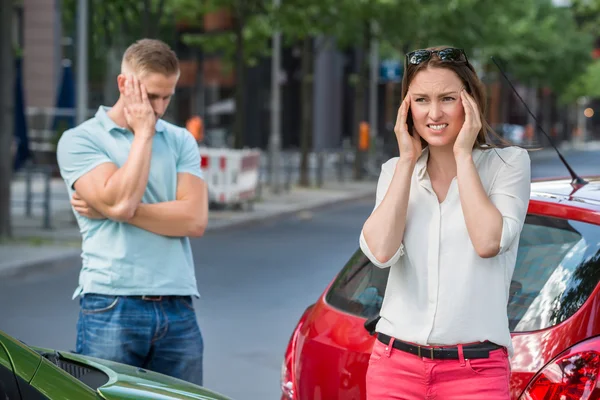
(35, 247)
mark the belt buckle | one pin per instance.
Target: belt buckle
(425, 355)
(152, 298)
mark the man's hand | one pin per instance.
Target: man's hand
(84, 208)
(138, 110)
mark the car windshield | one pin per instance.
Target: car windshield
(558, 267)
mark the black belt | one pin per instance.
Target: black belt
(480, 350)
(156, 298)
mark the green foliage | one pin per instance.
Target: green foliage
(587, 14)
(584, 85)
(116, 24)
(545, 47)
(252, 17)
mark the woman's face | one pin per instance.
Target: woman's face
(436, 105)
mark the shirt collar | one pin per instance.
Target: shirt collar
(421, 165)
(109, 125)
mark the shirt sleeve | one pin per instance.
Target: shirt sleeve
(510, 194)
(77, 154)
(189, 156)
(385, 178)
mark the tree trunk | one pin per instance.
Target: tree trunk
(240, 81)
(307, 114)
(7, 64)
(360, 101)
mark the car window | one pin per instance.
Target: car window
(9, 389)
(557, 268)
(359, 288)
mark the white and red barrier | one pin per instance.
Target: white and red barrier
(231, 175)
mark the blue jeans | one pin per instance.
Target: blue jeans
(161, 336)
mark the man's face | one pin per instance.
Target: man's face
(160, 89)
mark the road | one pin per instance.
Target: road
(548, 164)
(255, 282)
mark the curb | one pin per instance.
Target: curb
(55, 264)
(66, 261)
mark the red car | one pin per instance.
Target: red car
(553, 310)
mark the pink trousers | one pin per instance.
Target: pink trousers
(396, 375)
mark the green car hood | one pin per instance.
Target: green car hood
(126, 382)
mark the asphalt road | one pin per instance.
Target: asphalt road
(548, 164)
(255, 283)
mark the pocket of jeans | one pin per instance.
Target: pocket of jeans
(96, 304)
(377, 352)
(187, 302)
(495, 365)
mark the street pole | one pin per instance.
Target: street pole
(7, 68)
(275, 137)
(82, 60)
(374, 73)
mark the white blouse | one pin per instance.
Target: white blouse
(439, 291)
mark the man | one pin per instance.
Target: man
(138, 194)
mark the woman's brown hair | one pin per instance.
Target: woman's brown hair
(474, 86)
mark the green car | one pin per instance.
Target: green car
(33, 373)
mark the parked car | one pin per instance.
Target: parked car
(33, 373)
(553, 310)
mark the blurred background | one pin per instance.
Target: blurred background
(299, 76)
(305, 94)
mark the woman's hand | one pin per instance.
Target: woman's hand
(409, 145)
(468, 134)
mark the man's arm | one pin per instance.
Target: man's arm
(116, 192)
(185, 216)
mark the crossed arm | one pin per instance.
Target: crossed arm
(187, 215)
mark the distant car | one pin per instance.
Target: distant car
(33, 373)
(515, 134)
(553, 310)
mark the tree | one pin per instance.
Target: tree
(248, 39)
(6, 113)
(358, 24)
(301, 22)
(587, 16)
(547, 51)
(539, 44)
(585, 85)
(114, 25)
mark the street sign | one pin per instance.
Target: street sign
(390, 71)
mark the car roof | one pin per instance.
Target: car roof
(561, 189)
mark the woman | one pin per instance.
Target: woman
(447, 220)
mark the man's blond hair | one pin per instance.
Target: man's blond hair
(150, 56)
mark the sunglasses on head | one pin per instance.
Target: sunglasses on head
(448, 54)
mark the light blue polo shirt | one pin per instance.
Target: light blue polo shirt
(119, 258)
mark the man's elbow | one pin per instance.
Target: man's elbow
(122, 212)
(198, 226)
